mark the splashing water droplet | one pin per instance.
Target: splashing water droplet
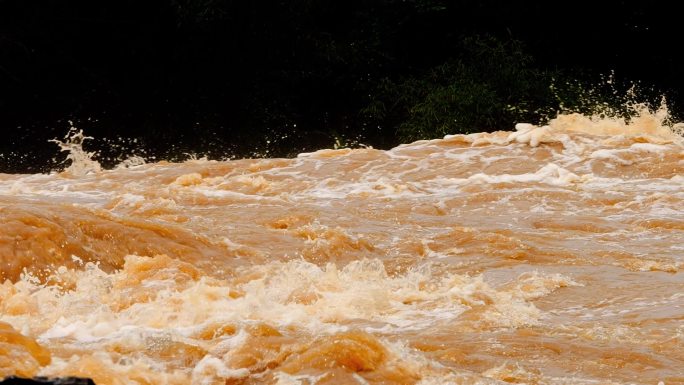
(82, 162)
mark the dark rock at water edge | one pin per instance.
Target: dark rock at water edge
(47, 381)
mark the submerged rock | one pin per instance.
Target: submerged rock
(46, 381)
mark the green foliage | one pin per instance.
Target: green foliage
(490, 85)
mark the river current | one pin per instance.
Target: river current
(546, 255)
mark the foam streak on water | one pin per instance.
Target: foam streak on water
(548, 255)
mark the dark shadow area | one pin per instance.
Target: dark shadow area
(227, 78)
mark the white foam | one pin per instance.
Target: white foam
(295, 293)
(210, 369)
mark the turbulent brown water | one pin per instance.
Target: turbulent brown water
(548, 255)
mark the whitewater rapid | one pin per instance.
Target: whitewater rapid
(547, 255)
